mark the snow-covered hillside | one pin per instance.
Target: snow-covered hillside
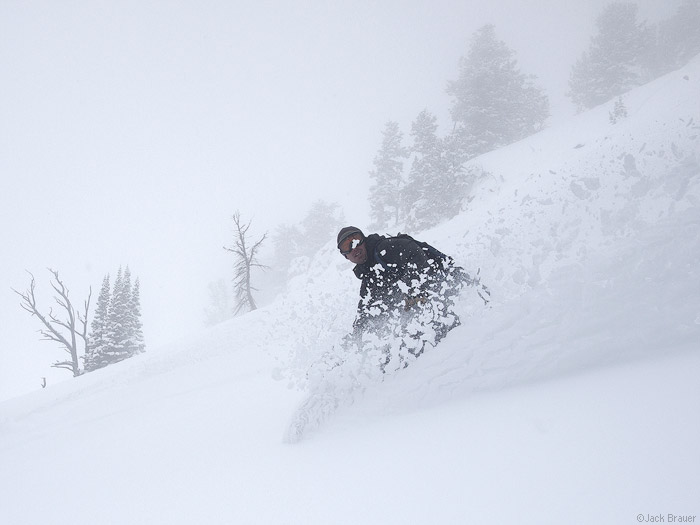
(574, 398)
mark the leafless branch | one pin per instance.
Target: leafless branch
(51, 322)
(245, 262)
(84, 319)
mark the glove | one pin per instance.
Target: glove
(411, 301)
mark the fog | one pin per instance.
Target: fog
(131, 131)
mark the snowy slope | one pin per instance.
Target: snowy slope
(573, 399)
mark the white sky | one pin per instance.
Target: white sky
(130, 131)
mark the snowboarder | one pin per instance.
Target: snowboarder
(403, 280)
(406, 300)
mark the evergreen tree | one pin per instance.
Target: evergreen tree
(617, 59)
(304, 239)
(435, 186)
(137, 344)
(116, 330)
(424, 150)
(679, 37)
(494, 103)
(113, 328)
(385, 193)
(287, 245)
(320, 224)
(119, 316)
(99, 340)
(619, 111)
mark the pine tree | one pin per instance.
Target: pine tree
(435, 187)
(385, 193)
(120, 321)
(320, 224)
(287, 245)
(137, 344)
(678, 38)
(618, 112)
(99, 339)
(424, 149)
(617, 59)
(494, 103)
(116, 330)
(119, 317)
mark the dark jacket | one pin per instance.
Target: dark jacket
(402, 261)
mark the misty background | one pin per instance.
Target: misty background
(130, 132)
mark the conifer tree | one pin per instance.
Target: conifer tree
(435, 186)
(116, 331)
(119, 316)
(494, 103)
(137, 344)
(678, 37)
(617, 59)
(416, 204)
(99, 339)
(288, 242)
(385, 193)
(320, 224)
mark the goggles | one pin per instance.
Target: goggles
(352, 242)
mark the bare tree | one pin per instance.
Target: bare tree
(246, 260)
(66, 330)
